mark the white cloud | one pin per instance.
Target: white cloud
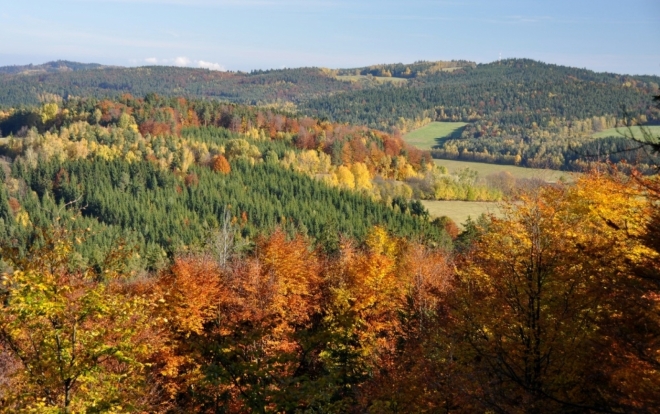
(210, 65)
(185, 62)
(182, 61)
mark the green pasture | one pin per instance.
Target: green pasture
(484, 169)
(459, 211)
(451, 69)
(355, 78)
(430, 135)
(635, 131)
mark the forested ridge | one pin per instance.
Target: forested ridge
(261, 87)
(518, 111)
(149, 171)
(31, 84)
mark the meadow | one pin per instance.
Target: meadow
(636, 132)
(483, 169)
(451, 69)
(356, 78)
(429, 136)
(459, 211)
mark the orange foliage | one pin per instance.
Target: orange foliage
(14, 205)
(187, 299)
(560, 272)
(191, 179)
(191, 291)
(191, 119)
(154, 128)
(221, 165)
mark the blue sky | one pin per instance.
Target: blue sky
(602, 35)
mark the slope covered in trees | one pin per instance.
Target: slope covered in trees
(49, 67)
(518, 111)
(147, 171)
(552, 308)
(261, 87)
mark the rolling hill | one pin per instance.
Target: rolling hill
(515, 111)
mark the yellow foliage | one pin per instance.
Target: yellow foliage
(253, 133)
(344, 177)
(362, 176)
(49, 112)
(23, 218)
(559, 270)
(81, 343)
(379, 242)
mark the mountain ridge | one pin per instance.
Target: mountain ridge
(54, 66)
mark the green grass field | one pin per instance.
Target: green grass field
(430, 135)
(551, 176)
(355, 78)
(427, 137)
(451, 69)
(625, 132)
(459, 211)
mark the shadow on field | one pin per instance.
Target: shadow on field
(456, 134)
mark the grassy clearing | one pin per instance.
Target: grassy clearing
(483, 169)
(459, 211)
(625, 132)
(451, 69)
(355, 78)
(430, 135)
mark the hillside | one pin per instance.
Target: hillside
(26, 85)
(259, 87)
(49, 67)
(517, 111)
(160, 173)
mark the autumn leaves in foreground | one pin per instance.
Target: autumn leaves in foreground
(553, 308)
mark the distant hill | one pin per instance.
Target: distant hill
(517, 111)
(29, 84)
(259, 87)
(48, 67)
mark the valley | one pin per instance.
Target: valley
(311, 240)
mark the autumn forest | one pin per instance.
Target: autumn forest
(183, 240)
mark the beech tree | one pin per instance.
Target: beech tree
(542, 288)
(79, 339)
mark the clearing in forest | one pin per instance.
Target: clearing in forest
(635, 131)
(483, 169)
(459, 211)
(355, 78)
(432, 135)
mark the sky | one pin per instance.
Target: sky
(602, 35)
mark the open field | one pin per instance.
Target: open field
(355, 78)
(636, 132)
(459, 211)
(429, 136)
(484, 169)
(451, 69)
